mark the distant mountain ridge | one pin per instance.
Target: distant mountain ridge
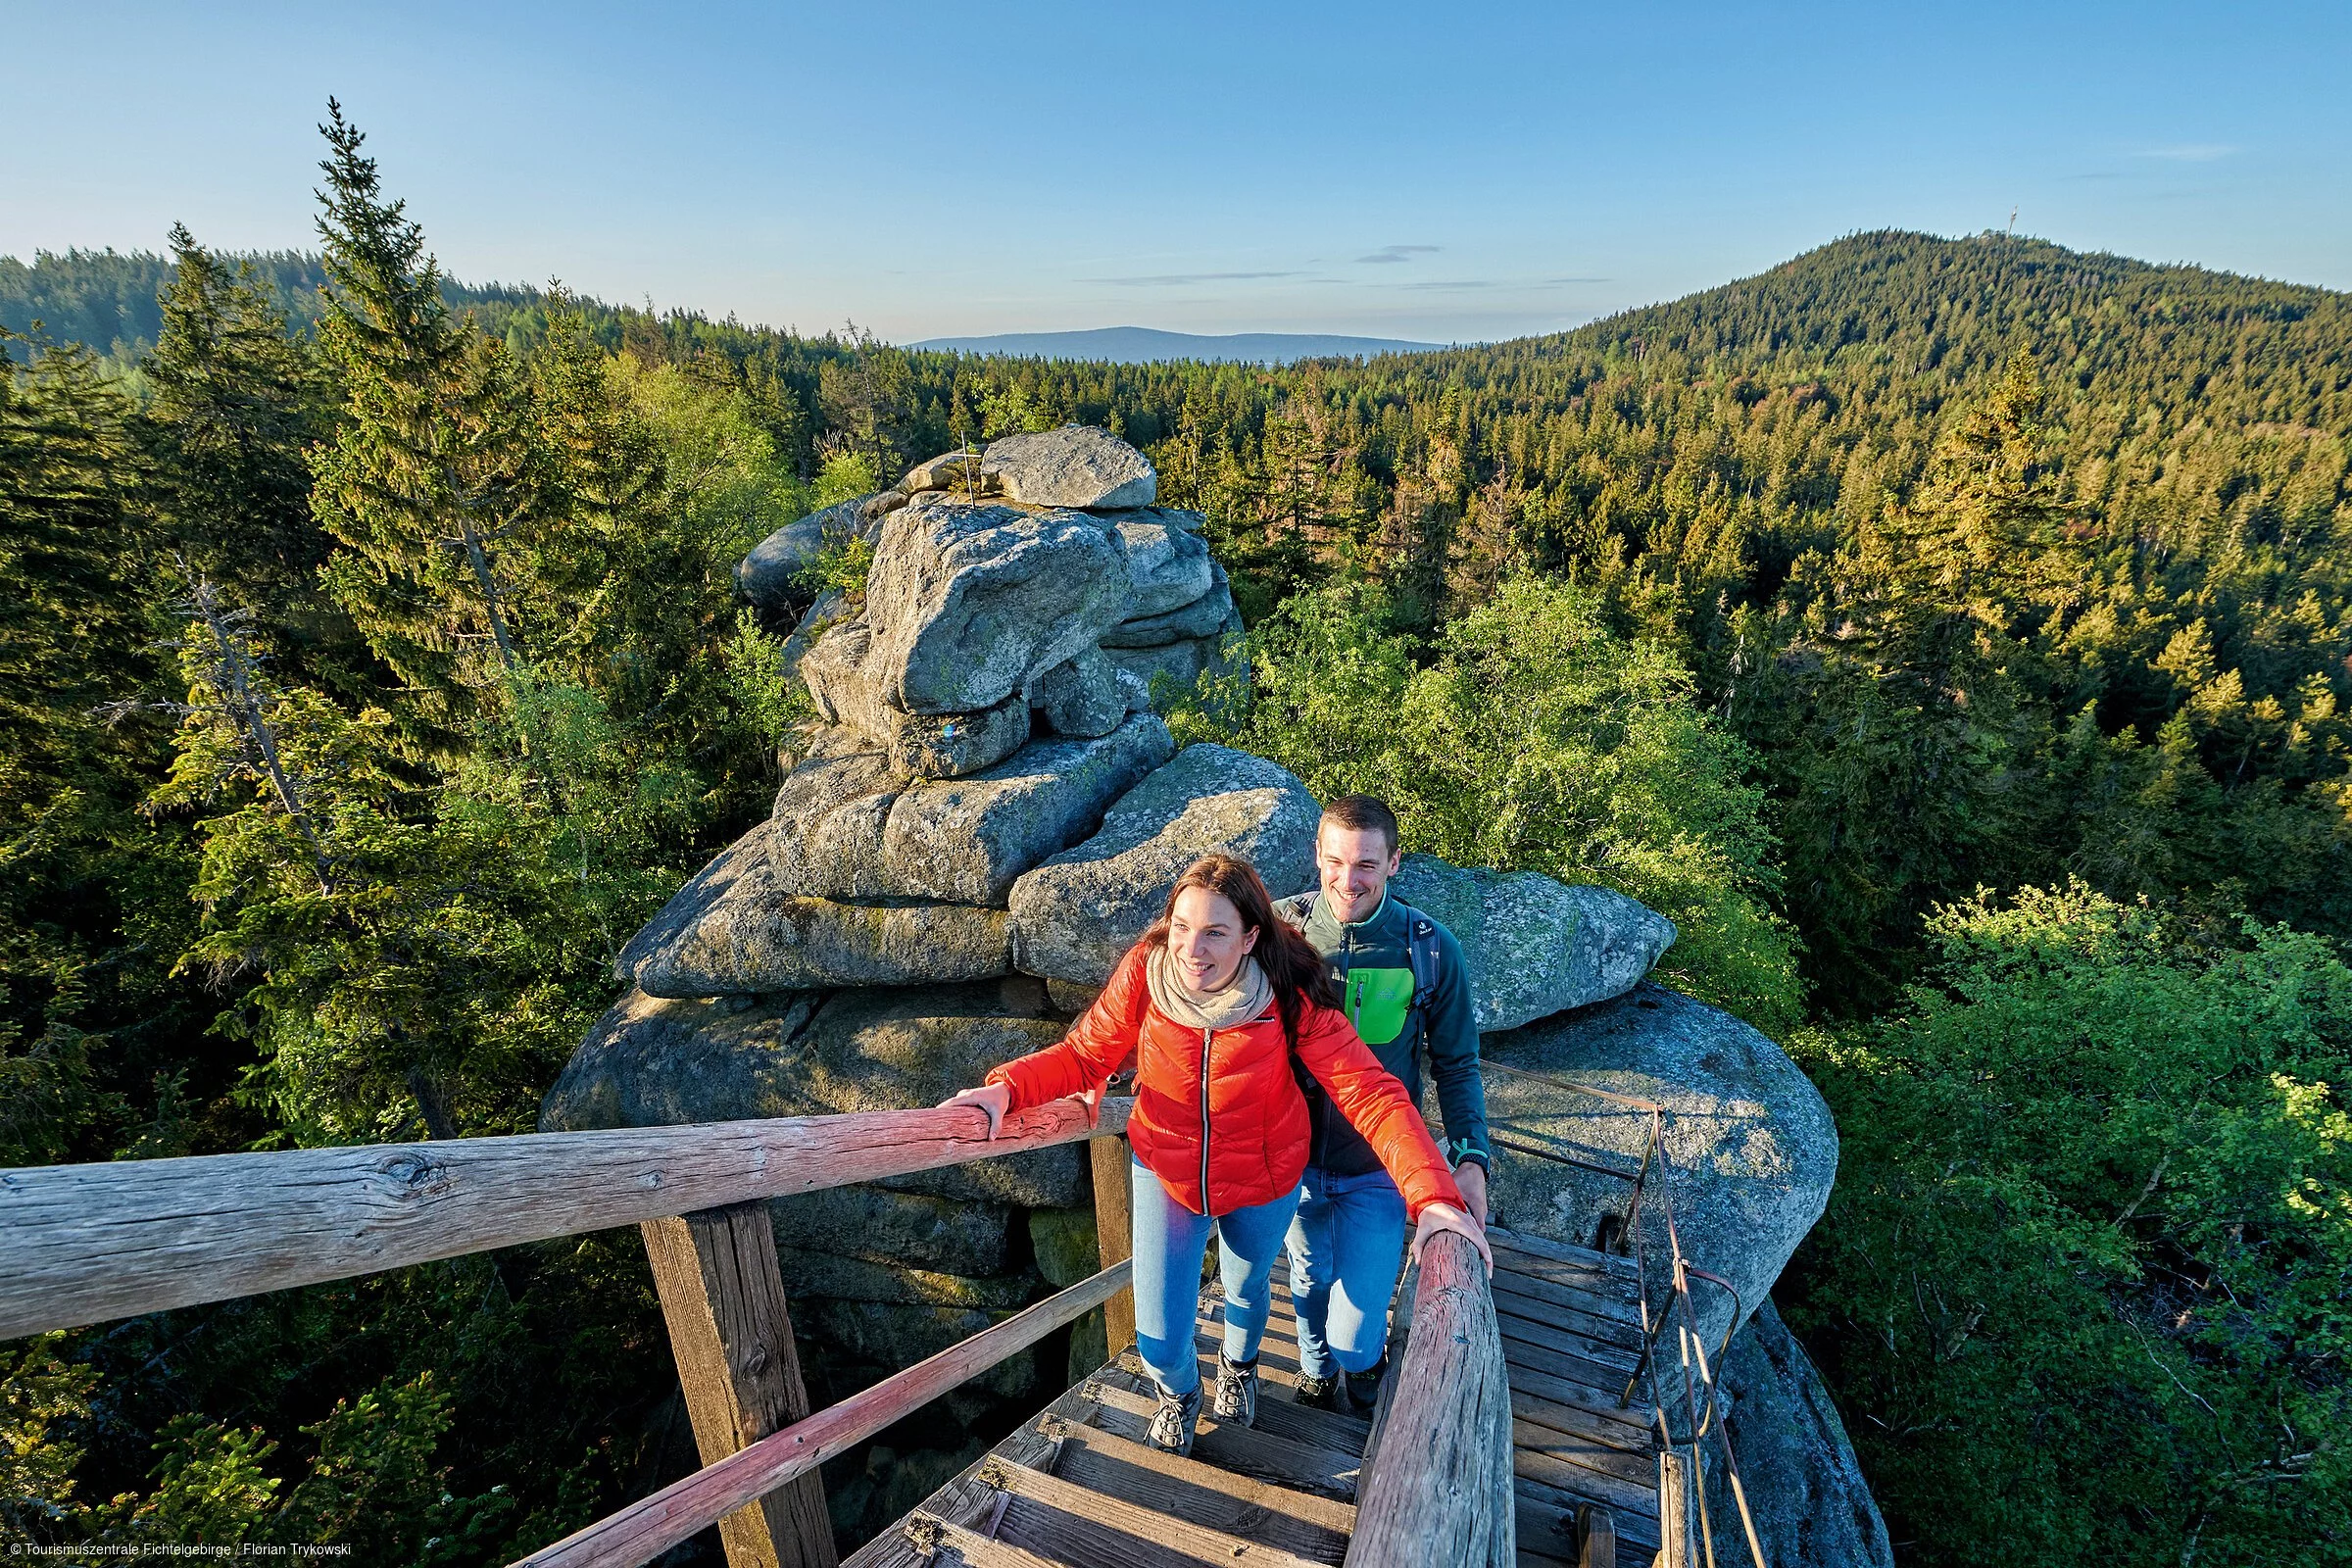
(1143, 345)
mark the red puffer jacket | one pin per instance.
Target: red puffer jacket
(1218, 1117)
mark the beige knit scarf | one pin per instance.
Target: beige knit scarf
(1243, 999)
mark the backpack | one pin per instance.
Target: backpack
(1420, 948)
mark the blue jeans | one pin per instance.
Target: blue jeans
(1346, 1248)
(1170, 1241)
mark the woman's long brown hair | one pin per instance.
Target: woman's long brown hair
(1295, 970)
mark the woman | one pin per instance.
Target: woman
(1213, 1002)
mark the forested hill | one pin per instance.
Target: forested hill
(1977, 542)
(1914, 302)
(109, 300)
(1949, 635)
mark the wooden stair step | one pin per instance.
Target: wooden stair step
(945, 1544)
(1531, 1296)
(1635, 1470)
(1543, 1330)
(1544, 1525)
(1629, 1500)
(1611, 1279)
(1302, 1523)
(1524, 1345)
(1281, 1416)
(964, 1500)
(1635, 1512)
(1531, 1277)
(1258, 1452)
(1535, 1398)
(1635, 1541)
(1543, 1246)
(1277, 1360)
(1072, 1524)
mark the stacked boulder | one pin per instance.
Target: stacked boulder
(988, 814)
(1052, 510)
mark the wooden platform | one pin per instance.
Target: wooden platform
(1080, 1486)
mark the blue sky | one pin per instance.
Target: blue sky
(1446, 173)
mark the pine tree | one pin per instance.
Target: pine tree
(432, 482)
(236, 403)
(868, 393)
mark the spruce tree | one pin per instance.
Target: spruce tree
(236, 403)
(432, 483)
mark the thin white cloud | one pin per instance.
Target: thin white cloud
(1182, 280)
(2194, 152)
(1391, 255)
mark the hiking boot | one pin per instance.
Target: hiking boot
(1319, 1393)
(1363, 1388)
(1173, 1422)
(1237, 1391)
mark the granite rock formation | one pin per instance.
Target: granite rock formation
(1806, 1488)
(1750, 1142)
(1536, 946)
(986, 814)
(1079, 910)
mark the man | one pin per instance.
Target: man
(1404, 987)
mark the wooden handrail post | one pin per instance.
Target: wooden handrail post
(1438, 1488)
(1115, 1233)
(1676, 1512)
(722, 1296)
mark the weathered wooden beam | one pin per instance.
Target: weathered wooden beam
(930, 1533)
(722, 1297)
(81, 1243)
(646, 1529)
(1115, 1233)
(1596, 1537)
(1678, 1511)
(1438, 1486)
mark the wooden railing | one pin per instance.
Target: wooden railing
(1437, 1483)
(84, 1244)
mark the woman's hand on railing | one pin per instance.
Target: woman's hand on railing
(994, 1099)
(1445, 1217)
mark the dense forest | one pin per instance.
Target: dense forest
(1949, 634)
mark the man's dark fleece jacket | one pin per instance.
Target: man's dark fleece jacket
(1373, 965)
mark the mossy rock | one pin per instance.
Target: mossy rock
(1063, 1240)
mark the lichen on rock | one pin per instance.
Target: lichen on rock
(1075, 914)
(1534, 946)
(1750, 1144)
(969, 603)
(1076, 466)
(848, 826)
(733, 930)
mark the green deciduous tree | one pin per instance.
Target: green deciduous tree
(1530, 738)
(2091, 1228)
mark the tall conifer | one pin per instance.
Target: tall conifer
(430, 481)
(237, 402)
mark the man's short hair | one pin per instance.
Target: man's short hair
(1363, 814)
